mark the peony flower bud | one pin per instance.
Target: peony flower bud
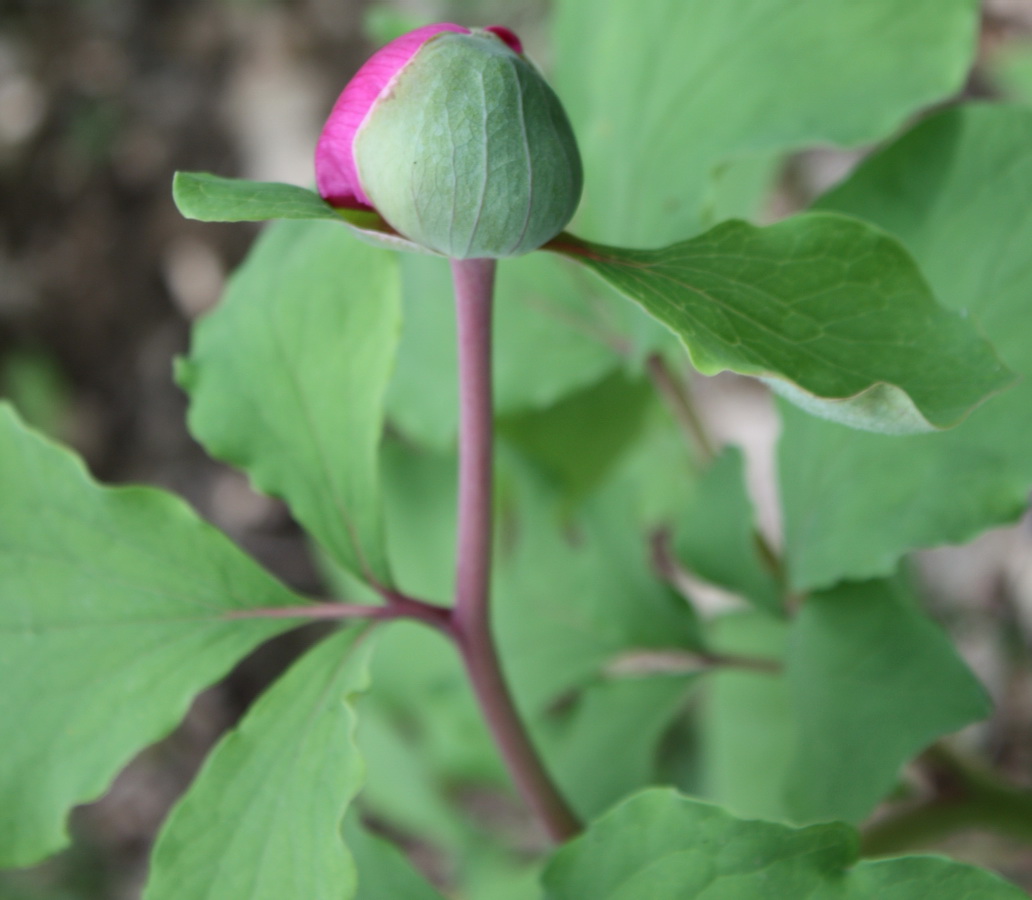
(456, 141)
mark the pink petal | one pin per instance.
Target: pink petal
(508, 36)
(335, 172)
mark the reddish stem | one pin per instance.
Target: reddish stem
(474, 284)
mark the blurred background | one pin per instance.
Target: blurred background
(100, 279)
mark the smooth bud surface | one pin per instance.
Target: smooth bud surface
(456, 140)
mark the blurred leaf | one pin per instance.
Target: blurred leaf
(382, 23)
(287, 378)
(551, 339)
(211, 198)
(869, 682)
(747, 731)
(383, 870)
(573, 594)
(262, 820)
(577, 441)
(663, 93)
(715, 534)
(627, 716)
(667, 847)
(420, 490)
(402, 788)
(116, 608)
(873, 682)
(37, 389)
(1011, 70)
(832, 311)
(954, 191)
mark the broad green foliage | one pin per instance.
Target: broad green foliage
(715, 534)
(287, 377)
(210, 198)
(746, 729)
(872, 682)
(262, 820)
(624, 716)
(383, 870)
(832, 311)
(954, 191)
(666, 847)
(576, 593)
(577, 441)
(116, 608)
(552, 338)
(868, 682)
(663, 93)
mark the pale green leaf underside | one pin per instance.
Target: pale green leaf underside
(829, 307)
(263, 819)
(664, 846)
(287, 378)
(954, 191)
(664, 93)
(115, 610)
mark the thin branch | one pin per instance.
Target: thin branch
(636, 663)
(402, 608)
(471, 625)
(679, 402)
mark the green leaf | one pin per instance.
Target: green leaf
(832, 311)
(868, 683)
(287, 378)
(667, 847)
(117, 606)
(262, 821)
(577, 441)
(383, 870)
(211, 198)
(574, 594)
(664, 93)
(872, 682)
(747, 732)
(715, 534)
(544, 309)
(628, 717)
(953, 190)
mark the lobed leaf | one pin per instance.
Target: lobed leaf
(832, 311)
(263, 819)
(664, 846)
(287, 380)
(117, 606)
